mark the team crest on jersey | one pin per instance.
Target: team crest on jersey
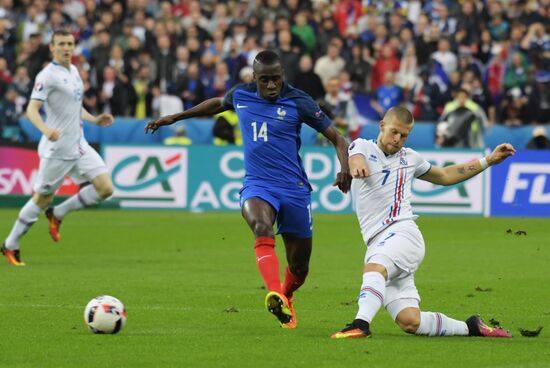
(38, 87)
(281, 113)
(65, 80)
(318, 114)
(402, 159)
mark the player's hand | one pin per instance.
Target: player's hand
(501, 153)
(105, 120)
(155, 124)
(52, 134)
(343, 181)
(360, 172)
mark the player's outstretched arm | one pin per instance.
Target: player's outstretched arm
(343, 178)
(33, 113)
(358, 166)
(453, 174)
(208, 107)
(103, 120)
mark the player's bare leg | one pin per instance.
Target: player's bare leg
(101, 188)
(260, 217)
(413, 321)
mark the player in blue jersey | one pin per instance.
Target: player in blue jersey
(275, 187)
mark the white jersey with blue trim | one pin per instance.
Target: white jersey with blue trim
(384, 196)
(61, 91)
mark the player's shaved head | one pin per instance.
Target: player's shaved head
(394, 129)
(266, 58)
(268, 74)
(400, 114)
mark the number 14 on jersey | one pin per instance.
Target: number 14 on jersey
(261, 133)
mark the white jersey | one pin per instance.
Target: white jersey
(384, 196)
(61, 90)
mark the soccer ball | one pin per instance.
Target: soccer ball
(105, 315)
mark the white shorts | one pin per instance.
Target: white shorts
(399, 248)
(52, 171)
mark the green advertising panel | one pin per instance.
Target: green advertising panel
(206, 178)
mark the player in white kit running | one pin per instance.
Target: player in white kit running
(381, 191)
(63, 149)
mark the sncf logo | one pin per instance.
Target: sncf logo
(528, 177)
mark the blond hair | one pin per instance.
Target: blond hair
(400, 114)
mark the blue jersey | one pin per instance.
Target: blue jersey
(271, 133)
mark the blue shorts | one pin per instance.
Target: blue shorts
(292, 208)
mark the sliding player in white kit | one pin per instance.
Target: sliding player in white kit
(382, 173)
(63, 149)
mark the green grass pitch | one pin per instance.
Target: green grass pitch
(194, 297)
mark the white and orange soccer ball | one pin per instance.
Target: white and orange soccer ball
(105, 315)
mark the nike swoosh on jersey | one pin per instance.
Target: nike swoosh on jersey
(239, 106)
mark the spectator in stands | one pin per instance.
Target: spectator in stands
(425, 98)
(462, 123)
(331, 64)
(480, 95)
(101, 55)
(540, 139)
(226, 129)
(385, 62)
(22, 82)
(326, 32)
(408, 70)
(342, 107)
(268, 39)
(142, 85)
(8, 41)
(445, 56)
(469, 21)
(514, 109)
(191, 87)
(495, 72)
(304, 31)
(289, 57)
(447, 25)
(221, 81)
(9, 116)
(516, 72)
(179, 138)
(165, 61)
(539, 97)
(307, 80)
(114, 96)
(359, 68)
(91, 100)
(388, 95)
(485, 47)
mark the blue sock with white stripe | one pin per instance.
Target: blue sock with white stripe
(371, 297)
(438, 324)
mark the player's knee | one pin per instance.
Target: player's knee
(262, 229)
(299, 269)
(42, 200)
(408, 322)
(105, 191)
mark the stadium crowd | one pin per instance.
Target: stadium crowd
(420, 54)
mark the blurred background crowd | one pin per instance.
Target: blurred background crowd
(485, 61)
